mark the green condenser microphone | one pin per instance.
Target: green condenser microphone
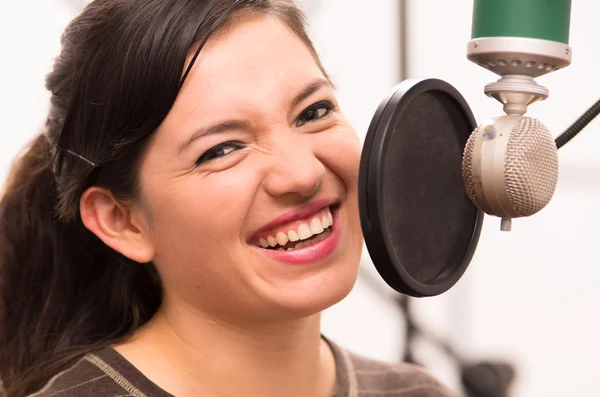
(510, 163)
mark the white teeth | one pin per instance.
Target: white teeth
(315, 226)
(263, 243)
(281, 238)
(293, 236)
(304, 232)
(313, 240)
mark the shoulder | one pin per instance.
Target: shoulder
(366, 377)
(86, 378)
(396, 379)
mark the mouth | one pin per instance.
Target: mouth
(304, 240)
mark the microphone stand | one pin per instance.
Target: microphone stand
(480, 379)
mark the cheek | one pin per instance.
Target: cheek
(201, 215)
(340, 150)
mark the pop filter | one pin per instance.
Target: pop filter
(420, 227)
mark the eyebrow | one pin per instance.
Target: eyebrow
(310, 89)
(229, 125)
(215, 129)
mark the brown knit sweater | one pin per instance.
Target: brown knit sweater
(108, 374)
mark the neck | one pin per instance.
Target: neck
(190, 353)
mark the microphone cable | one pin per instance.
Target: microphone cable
(578, 125)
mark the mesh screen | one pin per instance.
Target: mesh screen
(467, 164)
(429, 217)
(531, 170)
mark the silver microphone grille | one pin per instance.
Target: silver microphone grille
(513, 172)
(531, 169)
(466, 167)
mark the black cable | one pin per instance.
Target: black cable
(578, 125)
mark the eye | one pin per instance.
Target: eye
(314, 113)
(218, 151)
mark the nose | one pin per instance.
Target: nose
(295, 168)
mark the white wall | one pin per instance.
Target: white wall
(29, 41)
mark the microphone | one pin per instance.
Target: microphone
(510, 162)
(428, 173)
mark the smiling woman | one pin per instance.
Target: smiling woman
(188, 211)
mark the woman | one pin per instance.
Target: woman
(187, 213)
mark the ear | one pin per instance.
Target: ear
(117, 226)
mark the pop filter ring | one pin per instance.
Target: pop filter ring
(371, 206)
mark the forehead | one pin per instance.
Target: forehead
(255, 60)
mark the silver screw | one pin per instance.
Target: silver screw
(505, 224)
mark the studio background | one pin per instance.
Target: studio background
(531, 296)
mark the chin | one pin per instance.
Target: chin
(312, 295)
(288, 288)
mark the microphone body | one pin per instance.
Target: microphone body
(536, 19)
(510, 163)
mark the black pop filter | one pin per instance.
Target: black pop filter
(419, 225)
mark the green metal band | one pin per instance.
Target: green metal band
(536, 19)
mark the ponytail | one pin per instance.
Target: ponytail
(62, 293)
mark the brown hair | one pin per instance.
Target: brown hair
(63, 293)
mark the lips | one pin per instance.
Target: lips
(310, 251)
(303, 235)
(297, 214)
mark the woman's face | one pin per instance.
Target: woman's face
(255, 151)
